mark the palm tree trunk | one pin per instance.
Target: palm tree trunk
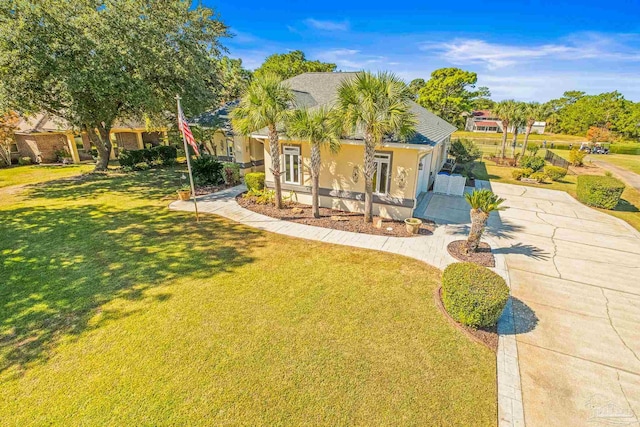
(315, 178)
(369, 169)
(478, 224)
(505, 126)
(514, 142)
(274, 150)
(526, 140)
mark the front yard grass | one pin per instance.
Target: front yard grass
(21, 175)
(116, 311)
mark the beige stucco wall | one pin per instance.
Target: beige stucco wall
(343, 172)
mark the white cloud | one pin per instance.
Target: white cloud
(349, 59)
(327, 25)
(585, 46)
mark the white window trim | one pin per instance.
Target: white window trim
(380, 159)
(292, 150)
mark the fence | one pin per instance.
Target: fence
(556, 160)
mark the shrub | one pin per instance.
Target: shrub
(207, 170)
(262, 197)
(464, 151)
(22, 161)
(142, 166)
(473, 295)
(231, 173)
(167, 154)
(576, 157)
(254, 181)
(533, 148)
(532, 162)
(555, 173)
(599, 191)
(521, 173)
(129, 158)
(539, 176)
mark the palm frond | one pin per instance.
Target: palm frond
(484, 200)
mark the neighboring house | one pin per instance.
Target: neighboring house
(223, 142)
(485, 121)
(404, 170)
(42, 136)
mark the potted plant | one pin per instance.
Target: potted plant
(184, 193)
(413, 225)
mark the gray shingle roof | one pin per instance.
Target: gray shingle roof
(317, 89)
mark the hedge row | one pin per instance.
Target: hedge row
(599, 191)
(164, 154)
(473, 295)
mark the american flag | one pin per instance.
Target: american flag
(186, 131)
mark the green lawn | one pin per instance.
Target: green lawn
(557, 138)
(116, 311)
(20, 175)
(626, 161)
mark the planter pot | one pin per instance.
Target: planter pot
(184, 195)
(413, 225)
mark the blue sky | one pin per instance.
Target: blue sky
(522, 49)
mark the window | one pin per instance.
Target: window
(292, 172)
(230, 148)
(14, 148)
(381, 173)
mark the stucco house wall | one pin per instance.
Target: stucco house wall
(342, 179)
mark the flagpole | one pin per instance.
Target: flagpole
(186, 152)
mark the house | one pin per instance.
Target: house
(485, 121)
(404, 170)
(220, 140)
(42, 137)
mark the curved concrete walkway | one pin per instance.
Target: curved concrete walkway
(429, 249)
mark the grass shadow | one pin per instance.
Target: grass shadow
(626, 206)
(480, 172)
(61, 262)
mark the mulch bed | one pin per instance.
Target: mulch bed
(335, 219)
(483, 256)
(208, 189)
(484, 336)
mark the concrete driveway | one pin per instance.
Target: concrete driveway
(575, 278)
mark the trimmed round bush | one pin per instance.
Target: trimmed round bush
(473, 295)
(539, 176)
(23, 161)
(254, 181)
(599, 191)
(532, 162)
(521, 173)
(555, 173)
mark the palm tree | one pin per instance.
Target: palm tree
(517, 121)
(377, 106)
(266, 103)
(319, 127)
(482, 202)
(534, 111)
(505, 111)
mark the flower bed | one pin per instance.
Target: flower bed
(334, 219)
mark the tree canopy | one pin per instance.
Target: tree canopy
(234, 78)
(287, 65)
(94, 61)
(450, 92)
